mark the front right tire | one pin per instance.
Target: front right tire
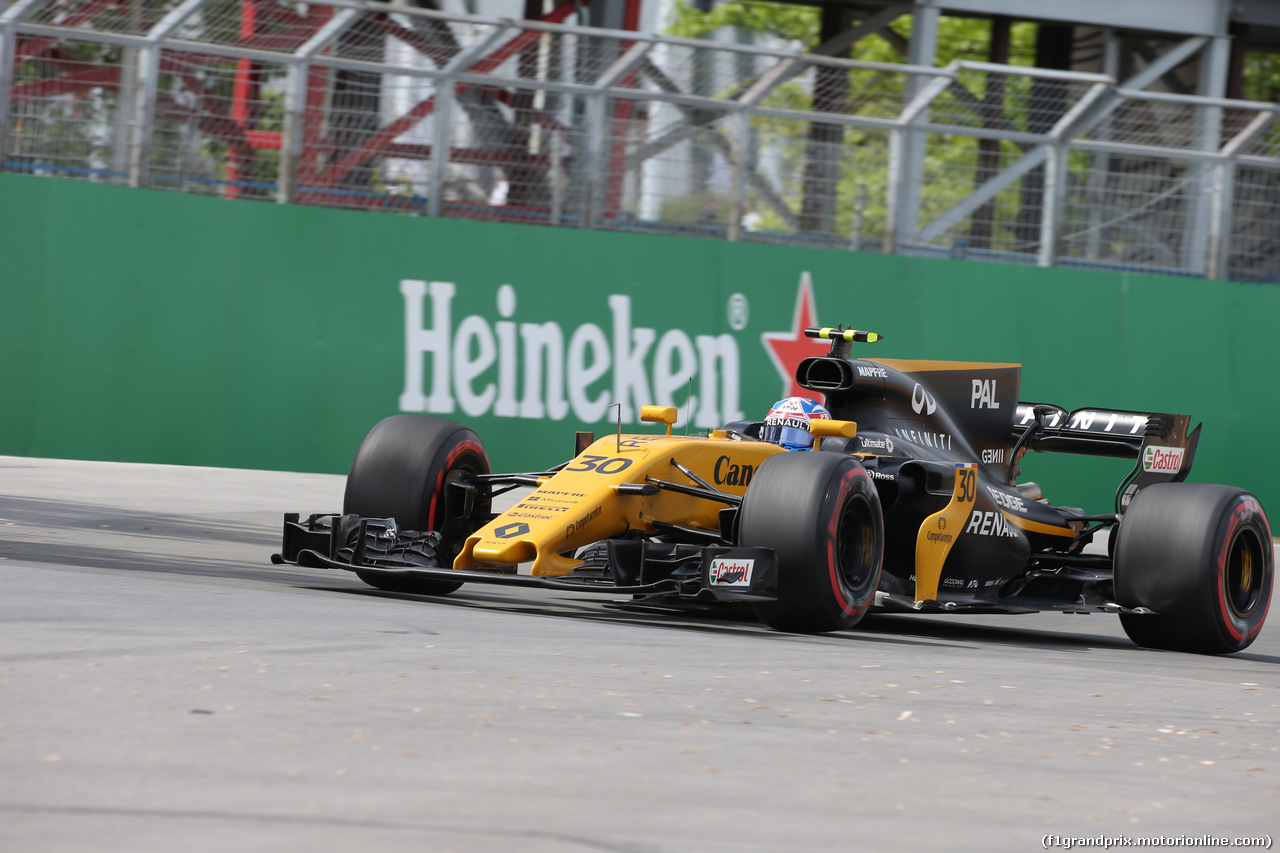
(403, 470)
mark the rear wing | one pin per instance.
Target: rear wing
(1160, 444)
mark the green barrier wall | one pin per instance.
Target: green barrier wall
(152, 327)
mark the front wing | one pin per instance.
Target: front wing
(377, 547)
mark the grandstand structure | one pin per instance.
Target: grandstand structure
(1127, 146)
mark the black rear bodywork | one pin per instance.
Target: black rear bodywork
(919, 420)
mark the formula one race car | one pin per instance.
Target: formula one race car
(909, 501)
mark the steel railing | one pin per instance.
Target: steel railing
(382, 106)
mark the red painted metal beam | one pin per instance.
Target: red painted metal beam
(268, 139)
(314, 145)
(216, 126)
(623, 114)
(544, 118)
(103, 75)
(374, 144)
(520, 42)
(269, 11)
(212, 117)
(434, 52)
(36, 47)
(234, 129)
(54, 59)
(242, 91)
(378, 141)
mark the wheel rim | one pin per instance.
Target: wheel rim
(454, 527)
(855, 542)
(1244, 573)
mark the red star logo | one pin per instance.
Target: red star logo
(788, 349)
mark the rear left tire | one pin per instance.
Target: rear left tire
(1200, 556)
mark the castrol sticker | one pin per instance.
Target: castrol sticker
(730, 572)
(1163, 460)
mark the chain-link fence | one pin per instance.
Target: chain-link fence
(383, 106)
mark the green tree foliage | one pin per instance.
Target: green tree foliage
(951, 161)
(1262, 77)
(789, 22)
(958, 38)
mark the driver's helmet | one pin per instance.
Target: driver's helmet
(787, 423)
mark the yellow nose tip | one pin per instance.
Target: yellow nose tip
(520, 551)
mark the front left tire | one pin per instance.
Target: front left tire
(820, 514)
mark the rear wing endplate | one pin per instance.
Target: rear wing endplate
(1161, 444)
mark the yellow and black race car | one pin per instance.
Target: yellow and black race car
(909, 501)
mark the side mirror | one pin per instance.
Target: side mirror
(821, 427)
(659, 415)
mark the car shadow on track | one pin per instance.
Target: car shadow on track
(724, 622)
(1016, 634)
(1021, 635)
(877, 628)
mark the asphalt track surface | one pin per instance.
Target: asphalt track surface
(164, 687)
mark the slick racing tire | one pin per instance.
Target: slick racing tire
(1200, 556)
(820, 514)
(401, 471)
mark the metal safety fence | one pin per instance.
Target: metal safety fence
(386, 106)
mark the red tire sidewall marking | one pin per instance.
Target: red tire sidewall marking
(848, 607)
(1237, 628)
(437, 492)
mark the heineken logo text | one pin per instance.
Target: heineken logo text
(542, 370)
